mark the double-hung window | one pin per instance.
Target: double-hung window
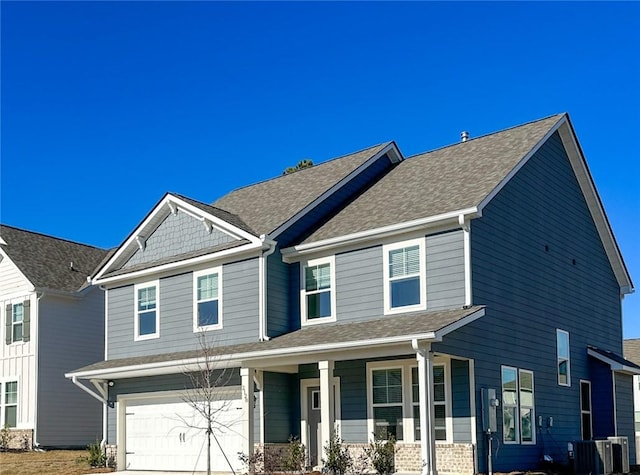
(17, 322)
(518, 410)
(147, 321)
(387, 402)
(9, 403)
(318, 291)
(564, 358)
(394, 400)
(439, 402)
(207, 295)
(404, 276)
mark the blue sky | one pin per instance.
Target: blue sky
(105, 106)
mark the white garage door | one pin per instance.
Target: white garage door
(169, 434)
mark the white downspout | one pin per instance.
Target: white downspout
(262, 286)
(35, 333)
(466, 229)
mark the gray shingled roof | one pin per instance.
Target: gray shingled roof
(615, 357)
(631, 350)
(453, 178)
(219, 213)
(45, 260)
(314, 336)
(267, 205)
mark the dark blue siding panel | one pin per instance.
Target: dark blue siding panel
(281, 407)
(523, 250)
(602, 400)
(624, 411)
(353, 397)
(460, 401)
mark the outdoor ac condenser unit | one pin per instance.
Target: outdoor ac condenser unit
(620, 454)
(593, 457)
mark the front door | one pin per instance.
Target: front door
(313, 425)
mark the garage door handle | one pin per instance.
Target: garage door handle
(129, 453)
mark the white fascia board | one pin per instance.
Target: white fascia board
(230, 360)
(165, 208)
(235, 251)
(459, 323)
(520, 164)
(395, 155)
(596, 208)
(291, 254)
(614, 365)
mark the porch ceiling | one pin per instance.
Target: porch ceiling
(308, 342)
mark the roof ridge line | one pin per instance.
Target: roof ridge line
(266, 180)
(513, 127)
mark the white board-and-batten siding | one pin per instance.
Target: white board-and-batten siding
(18, 360)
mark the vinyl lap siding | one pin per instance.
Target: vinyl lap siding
(624, 411)
(71, 335)
(239, 314)
(359, 284)
(281, 407)
(445, 270)
(277, 295)
(530, 290)
(460, 401)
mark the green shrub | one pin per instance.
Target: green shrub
(338, 458)
(294, 456)
(97, 457)
(382, 452)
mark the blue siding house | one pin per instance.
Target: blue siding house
(462, 300)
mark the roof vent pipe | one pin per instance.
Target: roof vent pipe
(464, 136)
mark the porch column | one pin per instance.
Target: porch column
(327, 415)
(246, 375)
(427, 414)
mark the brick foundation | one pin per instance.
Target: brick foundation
(111, 453)
(20, 439)
(451, 459)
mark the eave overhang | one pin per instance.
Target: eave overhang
(452, 219)
(616, 362)
(269, 354)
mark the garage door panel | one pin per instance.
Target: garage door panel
(171, 435)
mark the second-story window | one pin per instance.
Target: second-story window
(318, 296)
(207, 287)
(146, 311)
(17, 322)
(404, 276)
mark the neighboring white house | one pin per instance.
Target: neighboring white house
(51, 320)
(632, 353)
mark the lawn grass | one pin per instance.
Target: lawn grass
(53, 462)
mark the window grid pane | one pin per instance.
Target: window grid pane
(147, 298)
(208, 287)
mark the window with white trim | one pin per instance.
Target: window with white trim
(9, 404)
(439, 401)
(317, 297)
(147, 312)
(17, 322)
(404, 276)
(207, 299)
(564, 358)
(394, 400)
(518, 406)
(585, 411)
(387, 403)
